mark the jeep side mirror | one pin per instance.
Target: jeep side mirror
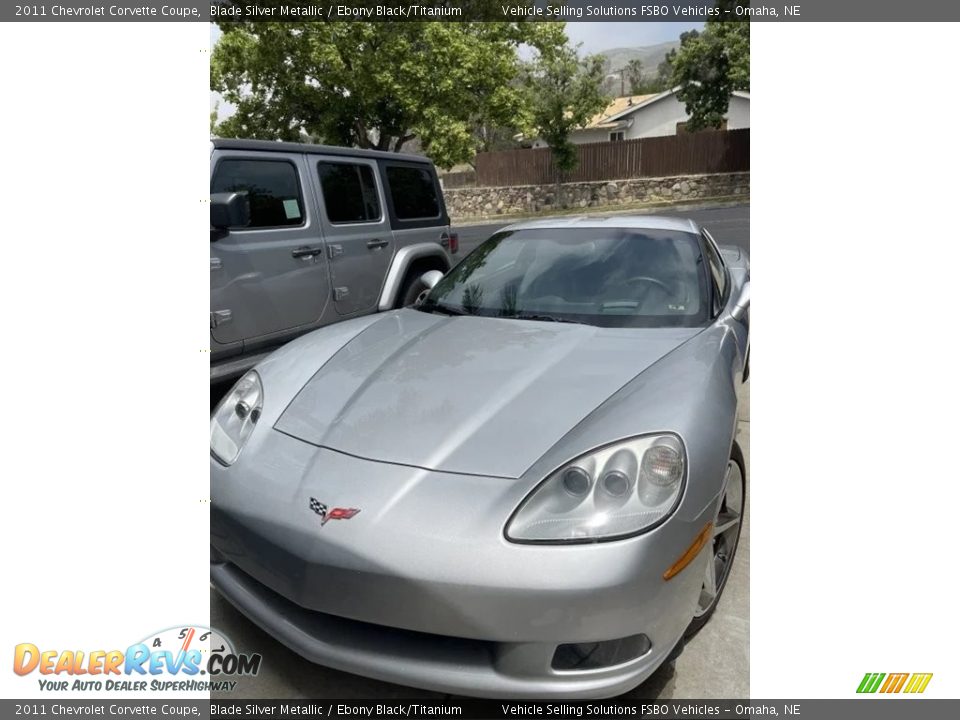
(228, 210)
(743, 303)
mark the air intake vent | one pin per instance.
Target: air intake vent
(592, 656)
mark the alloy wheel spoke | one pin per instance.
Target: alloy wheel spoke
(725, 521)
(726, 529)
(710, 582)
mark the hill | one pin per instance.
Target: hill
(651, 56)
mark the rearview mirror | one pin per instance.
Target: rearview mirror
(743, 303)
(227, 210)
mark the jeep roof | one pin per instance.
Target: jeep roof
(289, 147)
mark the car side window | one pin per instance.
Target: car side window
(349, 192)
(272, 186)
(413, 192)
(717, 273)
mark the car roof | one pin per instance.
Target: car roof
(290, 147)
(637, 222)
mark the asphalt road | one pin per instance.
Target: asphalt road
(715, 663)
(728, 225)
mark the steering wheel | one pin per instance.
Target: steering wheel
(650, 281)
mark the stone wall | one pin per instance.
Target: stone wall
(530, 199)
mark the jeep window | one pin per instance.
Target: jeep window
(413, 191)
(349, 192)
(271, 185)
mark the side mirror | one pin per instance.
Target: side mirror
(227, 210)
(430, 278)
(743, 303)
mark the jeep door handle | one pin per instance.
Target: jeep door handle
(304, 252)
(374, 244)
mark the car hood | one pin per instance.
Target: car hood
(469, 395)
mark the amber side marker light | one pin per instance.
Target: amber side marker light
(691, 552)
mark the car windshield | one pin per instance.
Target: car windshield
(609, 277)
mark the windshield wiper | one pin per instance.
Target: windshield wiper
(544, 318)
(443, 309)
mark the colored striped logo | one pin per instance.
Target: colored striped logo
(894, 682)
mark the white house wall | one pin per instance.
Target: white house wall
(738, 116)
(581, 137)
(661, 118)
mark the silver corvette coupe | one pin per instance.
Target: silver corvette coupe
(526, 485)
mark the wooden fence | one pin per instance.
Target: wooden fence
(463, 178)
(719, 151)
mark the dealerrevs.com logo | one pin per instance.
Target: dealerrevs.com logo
(183, 659)
(894, 682)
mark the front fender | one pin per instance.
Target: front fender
(690, 392)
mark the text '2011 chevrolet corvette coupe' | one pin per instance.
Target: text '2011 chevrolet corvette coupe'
(526, 485)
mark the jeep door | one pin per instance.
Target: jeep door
(268, 280)
(359, 241)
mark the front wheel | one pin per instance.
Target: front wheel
(726, 537)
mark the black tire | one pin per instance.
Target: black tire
(746, 367)
(410, 291)
(736, 454)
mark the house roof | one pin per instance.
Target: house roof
(621, 107)
(617, 107)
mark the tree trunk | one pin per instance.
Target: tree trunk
(401, 141)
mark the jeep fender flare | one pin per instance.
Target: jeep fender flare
(403, 260)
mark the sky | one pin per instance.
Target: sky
(608, 35)
(594, 37)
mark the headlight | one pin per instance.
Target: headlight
(235, 417)
(610, 493)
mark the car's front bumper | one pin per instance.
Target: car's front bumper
(424, 591)
(434, 662)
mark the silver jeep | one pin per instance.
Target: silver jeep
(302, 236)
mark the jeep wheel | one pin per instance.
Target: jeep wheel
(410, 291)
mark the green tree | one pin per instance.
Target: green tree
(710, 65)
(564, 92)
(377, 84)
(634, 72)
(665, 71)
(665, 67)
(641, 84)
